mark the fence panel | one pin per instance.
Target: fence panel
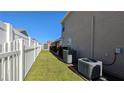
(17, 59)
(29, 59)
(8, 61)
(31, 53)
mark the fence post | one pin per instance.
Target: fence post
(14, 61)
(17, 60)
(34, 50)
(9, 32)
(37, 49)
(21, 60)
(29, 38)
(9, 63)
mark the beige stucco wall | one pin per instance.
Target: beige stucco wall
(108, 35)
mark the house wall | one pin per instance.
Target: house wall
(2, 35)
(78, 33)
(98, 33)
(18, 35)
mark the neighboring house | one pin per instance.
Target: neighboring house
(56, 46)
(47, 45)
(56, 43)
(8, 33)
(96, 35)
(3, 37)
(22, 31)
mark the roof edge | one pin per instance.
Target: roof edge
(66, 16)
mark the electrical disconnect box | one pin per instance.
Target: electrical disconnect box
(118, 50)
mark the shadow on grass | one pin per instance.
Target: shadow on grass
(72, 67)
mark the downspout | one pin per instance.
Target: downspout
(92, 35)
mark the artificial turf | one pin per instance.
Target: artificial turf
(48, 68)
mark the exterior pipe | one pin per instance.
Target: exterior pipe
(92, 35)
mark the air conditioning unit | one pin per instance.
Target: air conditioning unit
(67, 57)
(90, 68)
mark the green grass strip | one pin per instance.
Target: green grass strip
(48, 68)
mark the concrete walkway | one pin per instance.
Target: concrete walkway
(48, 68)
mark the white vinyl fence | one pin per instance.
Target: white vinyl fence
(17, 59)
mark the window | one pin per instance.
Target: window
(63, 28)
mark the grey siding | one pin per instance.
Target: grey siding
(108, 35)
(78, 29)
